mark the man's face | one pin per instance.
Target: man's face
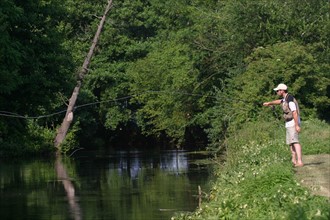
(280, 92)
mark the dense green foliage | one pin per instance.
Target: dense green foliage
(161, 67)
(169, 68)
(257, 180)
(34, 67)
(166, 57)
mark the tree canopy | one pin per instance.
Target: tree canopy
(165, 67)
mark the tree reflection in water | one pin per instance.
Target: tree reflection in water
(126, 185)
(175, 162)
(62, 175)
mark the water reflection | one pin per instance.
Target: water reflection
(63, 176)
(118, 186)
(175, 162)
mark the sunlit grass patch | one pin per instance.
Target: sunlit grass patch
(315, 137)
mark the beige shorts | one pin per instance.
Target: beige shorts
(291, 135)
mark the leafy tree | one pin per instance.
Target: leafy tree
(155, 56)
(229, 31)
(220, 36)
(123, 40)
(252, 59)
(10, 56)
(137, 29)
(34, 65)
(287, 62)
(162, 83)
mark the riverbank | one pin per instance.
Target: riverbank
(315, 175)
(258, 181)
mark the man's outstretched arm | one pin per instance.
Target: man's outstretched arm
(275, 102)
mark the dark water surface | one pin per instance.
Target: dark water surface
(126, 185)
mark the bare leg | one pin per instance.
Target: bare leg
(297, 148)
(293, 154)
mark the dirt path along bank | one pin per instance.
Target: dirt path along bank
(315, 174)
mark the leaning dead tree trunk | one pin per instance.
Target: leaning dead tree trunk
(62, 131)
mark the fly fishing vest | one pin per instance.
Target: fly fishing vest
(287, 113)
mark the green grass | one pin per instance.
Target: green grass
(257, 180)
(315, 137)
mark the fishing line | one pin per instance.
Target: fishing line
(15, 115)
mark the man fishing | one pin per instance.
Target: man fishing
(292, 121)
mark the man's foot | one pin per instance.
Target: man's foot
(294, 162)
(299, 165)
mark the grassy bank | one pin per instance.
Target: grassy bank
(257, 180)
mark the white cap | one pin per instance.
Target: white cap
(281, 86)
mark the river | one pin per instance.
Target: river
(120, 185)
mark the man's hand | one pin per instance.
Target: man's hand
(275, 102)
(298, 128)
